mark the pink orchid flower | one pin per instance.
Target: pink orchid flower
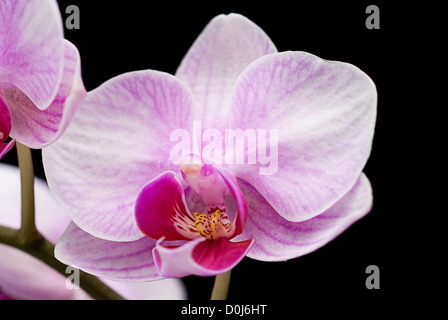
(140, 214)
(25, 277)
(40, 77)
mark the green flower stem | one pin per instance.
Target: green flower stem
(28, 231)
(28, 239)
(221, 286)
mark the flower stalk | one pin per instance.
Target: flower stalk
(28, 232)
(221, 286)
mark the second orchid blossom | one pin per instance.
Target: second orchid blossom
(40, 74)
(141, 210)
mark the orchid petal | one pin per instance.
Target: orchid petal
(36, 128)
(278, 239)
(210, 68)
(124, 261)
(37, 281)
(161, 210)
(324, 113)
(114, 145)
(200, 257)
(5, 126)
(31, 48)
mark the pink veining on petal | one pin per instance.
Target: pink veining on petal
(38, 128)
(114, 145)
(226, 46)
(278, 239)
(31, 48)
(126, 261)
(325, 114)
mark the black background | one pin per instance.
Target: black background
(117, 37)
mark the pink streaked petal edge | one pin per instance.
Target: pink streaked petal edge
(124, 261)
(281, 240)
(39, 128)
